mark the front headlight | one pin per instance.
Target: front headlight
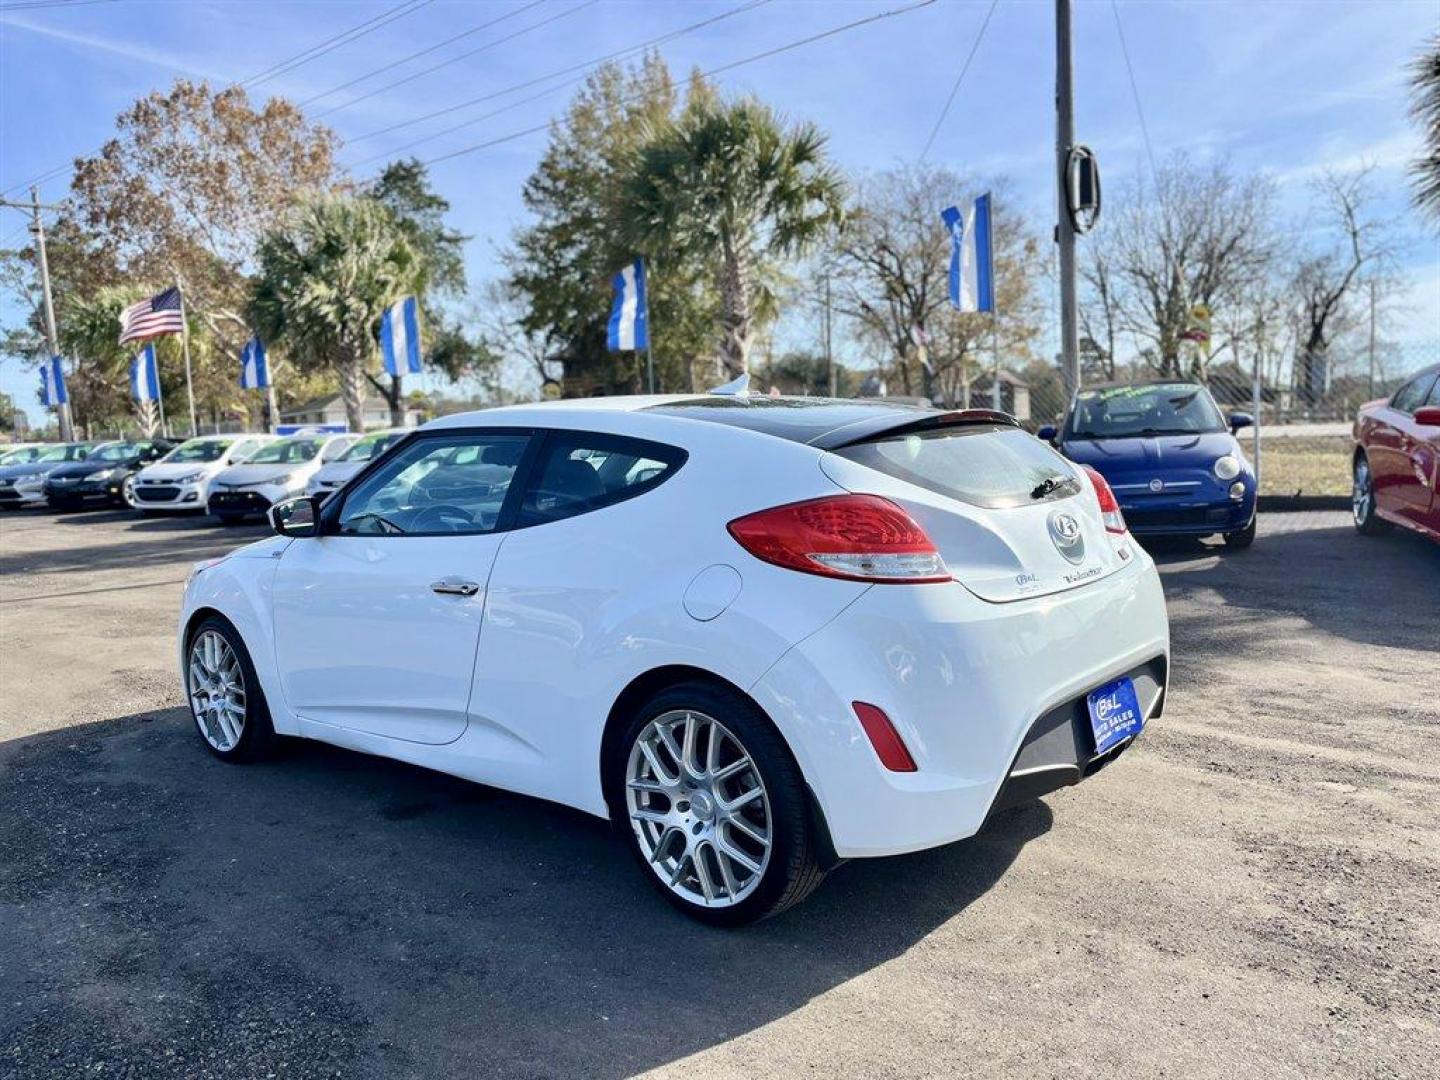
(1227, 467)
(286, 479)
(107, 474)
(189, 478)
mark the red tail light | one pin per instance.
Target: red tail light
(856, 537)
(1109, 505)
(889, 747)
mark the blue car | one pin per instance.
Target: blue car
(1170, 456)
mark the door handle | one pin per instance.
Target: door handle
(454, 587)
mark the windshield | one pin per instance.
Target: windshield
(370, 446)
(1124, 412)
(19, 457)
(116, 452)
(55, 453)
(286, 452)
(984, 465)
(198, 450)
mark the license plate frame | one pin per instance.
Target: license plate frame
(1115, 715)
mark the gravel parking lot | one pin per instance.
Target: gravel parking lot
(1253, 891)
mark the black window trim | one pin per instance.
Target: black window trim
(673, 456)
(334, 506)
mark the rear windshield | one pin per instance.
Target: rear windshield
(984, 465)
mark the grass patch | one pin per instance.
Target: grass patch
(1318, 465)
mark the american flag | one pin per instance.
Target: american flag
(146, 319)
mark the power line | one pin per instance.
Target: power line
(799, 43)
(584, 65)
(423, 52)
(329, 45)
(31, 5)
(463, 56)
(288, 64)
(964, 68)
(1135, 95)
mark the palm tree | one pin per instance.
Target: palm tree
(1425, 108)
(730, 184)
(324, 280)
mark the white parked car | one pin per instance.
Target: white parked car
(278, 470)
(333, 476)
(180, 481)
(760, 635)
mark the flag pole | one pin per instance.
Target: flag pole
(649, 356)
(185, 344)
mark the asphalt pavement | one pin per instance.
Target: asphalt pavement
(1252, 891)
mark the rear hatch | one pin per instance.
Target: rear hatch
(1011, 518)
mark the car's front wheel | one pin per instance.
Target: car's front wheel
(709, 799)
(226, 701)
(1362, 499)
(1242, 538)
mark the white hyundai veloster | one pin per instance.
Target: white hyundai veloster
(760, 635)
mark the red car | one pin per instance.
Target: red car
(1397, 459)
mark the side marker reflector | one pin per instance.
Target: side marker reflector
(889, 747)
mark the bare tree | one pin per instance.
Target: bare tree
(1199, 236)
(1425, 108)
(1327, 279)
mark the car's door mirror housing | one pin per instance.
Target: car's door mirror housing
(297, 517)
(1241, 419)
(1428, 416)
(1047, 433)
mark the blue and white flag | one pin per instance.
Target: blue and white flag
(972, 268)
(630, 317)
(52, 383)
(400, 337)
(145, 375)
(254, 367)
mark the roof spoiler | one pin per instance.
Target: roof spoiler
(891, 426)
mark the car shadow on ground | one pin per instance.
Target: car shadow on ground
(159, 541)
(1374, 590)
(335, 910)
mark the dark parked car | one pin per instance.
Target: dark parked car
(101, 477)
(1397, 459)
(1170, 455)
(22, 483)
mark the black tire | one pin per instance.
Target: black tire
(1242, 538)
(229, 520)
(257, 736)
(793, 870)
(1362, 499)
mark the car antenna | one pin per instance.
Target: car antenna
(734, 388)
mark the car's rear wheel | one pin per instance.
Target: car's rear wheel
(709, 799)
(225, 698)
(1362, 499)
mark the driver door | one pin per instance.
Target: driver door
(377, 620)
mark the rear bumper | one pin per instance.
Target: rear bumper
(966, 683)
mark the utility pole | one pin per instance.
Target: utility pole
(1064, 227)
(829, 355)
(52, 336)
(1372, 338)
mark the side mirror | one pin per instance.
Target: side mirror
(297, 517)
(1047, 433)
(1241, 419)
(1428, 416)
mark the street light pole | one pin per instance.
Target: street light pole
(1064, 227)
(52, 336)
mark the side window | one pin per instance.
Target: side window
(580, 472)
(444, 485)
(1434, 398)
(1412, 395)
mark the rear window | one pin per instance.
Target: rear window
(983, 465)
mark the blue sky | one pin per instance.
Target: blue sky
(1287, 86)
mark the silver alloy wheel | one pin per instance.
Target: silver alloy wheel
(217, 690)
(699, 808)
(127, 491)
(1362, 493)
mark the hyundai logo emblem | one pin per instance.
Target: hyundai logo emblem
(1065, 534)
(1157, 484)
